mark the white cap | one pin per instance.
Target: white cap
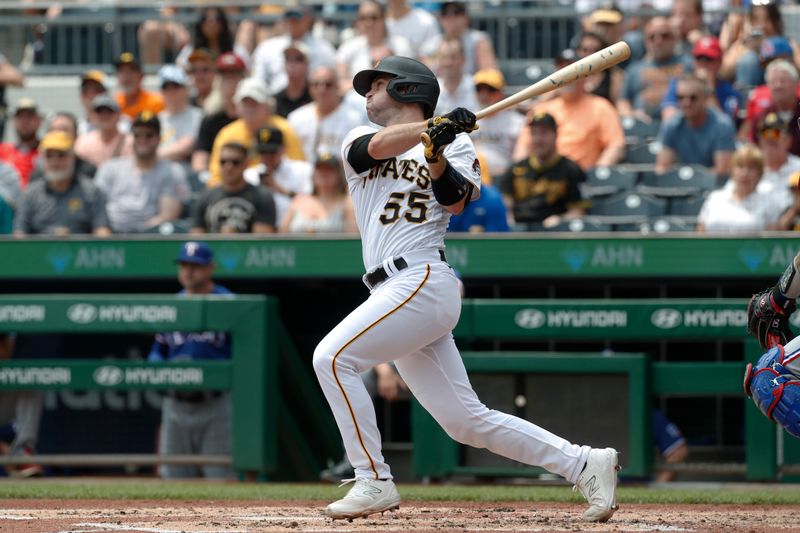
(254, 88)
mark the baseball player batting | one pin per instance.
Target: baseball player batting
(403, 196)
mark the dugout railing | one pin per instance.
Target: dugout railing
(766, 447)
(261, 351)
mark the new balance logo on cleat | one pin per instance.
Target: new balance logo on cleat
(591, 486)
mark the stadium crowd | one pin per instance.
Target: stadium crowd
(697, 131)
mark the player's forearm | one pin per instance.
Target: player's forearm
(395, 140)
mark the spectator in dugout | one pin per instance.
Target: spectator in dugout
(741, 208)
(235, 206)
(541, 190)
(283, 177)
(477, 46)
(221, 109)
(268, 58)
(707, 56)
(132, 98)
(194, 422)
(457, 88)
(64, 202)
(782, 83)
(646, 81)
(589, 129)
(698, 134)
(180, 121)
(296, 93)
(322, 124)
(105, 141)
(22, 154)
(255, 108)
(497, 134)
(142, 190)
(328, 209)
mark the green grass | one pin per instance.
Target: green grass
(156, 490)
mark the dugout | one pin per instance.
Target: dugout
(316, 281)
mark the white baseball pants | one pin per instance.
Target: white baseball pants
(408, 319)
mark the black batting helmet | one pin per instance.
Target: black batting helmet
(412, 82)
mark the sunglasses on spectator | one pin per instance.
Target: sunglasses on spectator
(325, 84)
(55, 154)
(145, 135)
(707, 59)
(484, 87)
(369, 17)
(770, 134)
(664, 35)
(690, 97)
(232, 162)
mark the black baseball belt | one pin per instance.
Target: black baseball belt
(379, 275)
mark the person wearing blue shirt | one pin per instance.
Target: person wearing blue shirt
(698, 134)
(487, 213)
(707, 55)
(195, 422)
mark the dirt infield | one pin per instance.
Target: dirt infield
(101, 516)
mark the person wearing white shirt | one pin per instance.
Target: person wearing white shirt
(372, 44)
(416, 25)
(478, 48)
(322, 124)
(268, 57)
(457, 88)
(284, 177)
(497, 135)
(774, 140)
(741, 208)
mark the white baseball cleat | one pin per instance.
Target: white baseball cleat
(368, 496)
(598, 484)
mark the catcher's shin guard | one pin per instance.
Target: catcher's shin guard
(775, 390)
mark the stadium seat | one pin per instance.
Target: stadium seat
(643, 153)
(172, 227)
(681, 181)
(604, 181)
(637, 129)
(577, 225)
(686, 206)
(665, 224)
(626, 208)
(524, 74)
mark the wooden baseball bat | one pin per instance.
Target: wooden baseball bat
(591, 64)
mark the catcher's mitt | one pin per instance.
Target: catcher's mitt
(768, 318)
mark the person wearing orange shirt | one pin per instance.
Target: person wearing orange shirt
(255, 108)
(132, 98)
(589, 128)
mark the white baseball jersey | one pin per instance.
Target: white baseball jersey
(395, 209)
(326, 134)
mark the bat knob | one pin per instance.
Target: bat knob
(425, 139)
